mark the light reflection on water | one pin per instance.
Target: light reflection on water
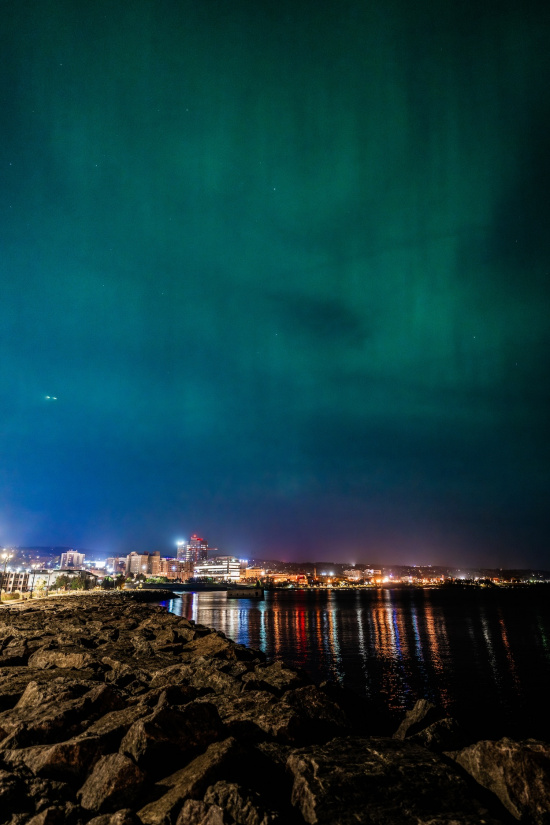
(481, 654)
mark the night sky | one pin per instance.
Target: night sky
(278, 273)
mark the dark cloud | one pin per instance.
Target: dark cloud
(328, 322)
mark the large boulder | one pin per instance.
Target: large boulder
(114, 783)
(64, 760)
(123, 817)
(189, 782)
(11, 786)
(169, 736)
(203, 675)
(517, 772)
(382, 781)
(64, 657)
(301, 716)
(240, 805)
(423, 714)
(195, 812)
(53, 711)
(275, 678)
(110, 728)
(210, 645)
(429, 726)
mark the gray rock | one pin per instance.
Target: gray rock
(14, 680)
(65, 760)
(517, 772)
(168, 695)
(68, 657)
(54, 815)
(189, 782)
(439, 736)
(16, 652)
(123, 817)
(422, 715)
(53, 711)
(11, 787)
(302, 716)
(244, 807)
(203, 675)
(381, 781)
(254, 715)
(160, 690)
(112, 727)
(275, 678)
(195, 812)
(44, 793)
(168, 736)
(114, 783)
(319, 717)
(210, 645)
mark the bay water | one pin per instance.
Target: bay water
(483, 654)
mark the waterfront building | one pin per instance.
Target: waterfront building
(220, 568)
(354, 574)
(253, 573)
(72, 559)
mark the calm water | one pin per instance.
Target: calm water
(482, 654)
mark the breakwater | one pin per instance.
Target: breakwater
(113, 712)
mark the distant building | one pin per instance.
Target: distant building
(253, 573)
(41, 580)
(354, 574)
(115, 564)
(146, 563)
(72, 559)
(12, 581)
(176, 569)
(195, 550)
(222, 568)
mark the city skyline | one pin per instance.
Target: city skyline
(279, 272)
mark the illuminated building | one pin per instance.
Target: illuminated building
(72, 559)
(220, 568)
(11, 581)
(253, 573)
(176, 569)
(146, 563)
(115, 564)
(195, 550)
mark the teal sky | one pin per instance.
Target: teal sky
(282, 269)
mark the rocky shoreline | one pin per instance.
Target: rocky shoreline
(114, 712)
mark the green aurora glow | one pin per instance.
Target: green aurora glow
(285, 267)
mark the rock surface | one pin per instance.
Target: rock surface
(517, 772)
(114, 712)
(429, 726)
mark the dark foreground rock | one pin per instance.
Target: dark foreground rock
(517, 772)
(379, 780)
(118, 713)
(428, 725)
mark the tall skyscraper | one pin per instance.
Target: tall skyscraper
(195, 550)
